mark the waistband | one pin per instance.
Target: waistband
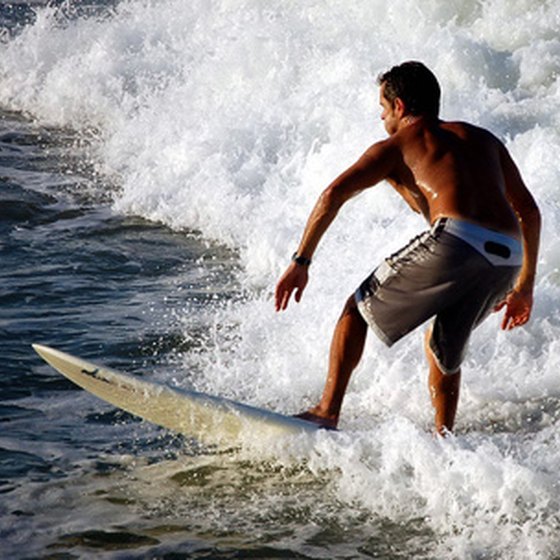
(498, 248)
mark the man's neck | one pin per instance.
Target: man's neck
(410, 120)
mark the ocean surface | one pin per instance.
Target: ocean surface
(158, 160)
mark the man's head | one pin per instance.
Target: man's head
(411, 88)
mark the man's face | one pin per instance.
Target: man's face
(388, 114)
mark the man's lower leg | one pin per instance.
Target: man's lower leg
(444, 392)
(345, 353)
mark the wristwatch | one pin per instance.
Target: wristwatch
(302, 261)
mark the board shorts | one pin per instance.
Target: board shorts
(457, 271)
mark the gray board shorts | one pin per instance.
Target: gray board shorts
(457, 271)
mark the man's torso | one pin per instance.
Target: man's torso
(453, 169)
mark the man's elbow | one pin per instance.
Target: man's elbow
(531, 217)
(535, 214)
(333, 198)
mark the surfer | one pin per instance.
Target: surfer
(478, 255)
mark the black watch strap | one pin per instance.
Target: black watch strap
(302, 261)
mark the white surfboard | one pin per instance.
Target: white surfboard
(209, 419)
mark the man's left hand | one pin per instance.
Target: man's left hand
(518, 308)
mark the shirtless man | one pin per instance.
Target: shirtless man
(479, 254)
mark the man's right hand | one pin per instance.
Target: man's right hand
(295, 278)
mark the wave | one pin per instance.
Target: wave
(229, 117)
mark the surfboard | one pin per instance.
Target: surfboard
(207, 418)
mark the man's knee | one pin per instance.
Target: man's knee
(351, 311)
(447, 362)
(351, 307)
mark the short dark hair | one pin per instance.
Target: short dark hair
(415, 84)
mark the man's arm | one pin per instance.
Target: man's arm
(519, 301)
(376, 164)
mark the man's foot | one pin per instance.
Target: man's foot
(317, 418)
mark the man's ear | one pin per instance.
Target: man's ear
(399, 107)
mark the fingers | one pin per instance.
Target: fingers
(510, 323)
(499, 306)
(283, 294)
(520, 319)
(285, 300)
(517, 314)
(282, 297)
(506, 322)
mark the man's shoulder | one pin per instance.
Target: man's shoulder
(468, 129)
(383, 147)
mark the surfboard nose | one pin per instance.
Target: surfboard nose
(41, 349)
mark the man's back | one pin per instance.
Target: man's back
(458, 171)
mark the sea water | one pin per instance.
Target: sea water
(158, 160)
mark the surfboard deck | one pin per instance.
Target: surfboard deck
(207, 418)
